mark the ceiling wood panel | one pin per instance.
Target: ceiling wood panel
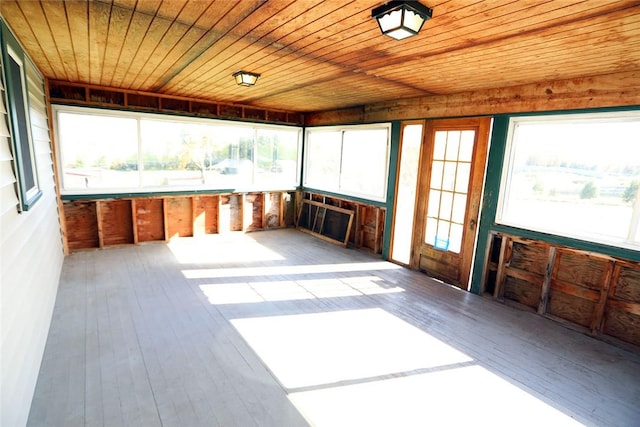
(320, 55)
(234, 43)
(556, 56)
(119, 23)
(270, 43)
(76, 16)
(56, 12)
(42, 44)
(99, 15)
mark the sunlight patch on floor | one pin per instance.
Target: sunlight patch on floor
(214, 273)
(465, 396)
(220, 249)
(326, 348)
(288, 290)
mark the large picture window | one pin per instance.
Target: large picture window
(574, 175)
(352, 161)
(114, 151)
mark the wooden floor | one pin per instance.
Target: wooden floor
(278, 328)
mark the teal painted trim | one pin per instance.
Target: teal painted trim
(490, 196)
(302, 162)
(582, 111)
(391, 187)
(133, 195)
(9, 40)
(344, 196)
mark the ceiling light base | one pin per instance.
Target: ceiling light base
(401, 19)
(245, 78)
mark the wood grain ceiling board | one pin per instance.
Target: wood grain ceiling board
(321, 55)
(273, 44)
(33, 43)
(528, 20)
(607, 46)
(338, 91)
(234, 42)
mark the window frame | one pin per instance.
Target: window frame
(22, 144)
(141, 116)
(339, 189)
(508, 168)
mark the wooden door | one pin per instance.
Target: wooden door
(449, 193)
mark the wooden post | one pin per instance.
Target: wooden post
(134, 219)
(164, 219)
(99, 222)
(281, 211)
(613, 271)
(546, 285)
(500, 276)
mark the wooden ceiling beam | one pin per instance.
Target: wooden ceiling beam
(611, 90)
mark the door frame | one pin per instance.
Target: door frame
(404, 123)
(476, 185)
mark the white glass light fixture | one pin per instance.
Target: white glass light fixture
(401, 19)
(245, 78)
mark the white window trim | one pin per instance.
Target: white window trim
(61, 108)
(386, 126)
(508, 164)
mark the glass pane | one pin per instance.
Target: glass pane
(466, 145)
(459, 208)
(562, 179)
(119, 152)
(433, 209)
(406, 193)
(462, 178)
(364, 162)
(322, 154)
(98, 151)
(453, 141)
(455, 238)
(436, 174)
(449, 178)
(439, 145)
(179, 154)
(430, 232)
(446, 203)
(277, 157)
(443, 230)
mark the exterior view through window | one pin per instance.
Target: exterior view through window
(352, 160)
(574, 176)
(145, 152)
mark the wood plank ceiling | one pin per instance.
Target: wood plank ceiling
(319, 55)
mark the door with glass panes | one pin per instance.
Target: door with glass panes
(449, 193)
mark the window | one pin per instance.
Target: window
(448, 189)
(575, 176)
(22, 143)
(117, 151)
(352, 161)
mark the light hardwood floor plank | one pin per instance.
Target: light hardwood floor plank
(196, 333)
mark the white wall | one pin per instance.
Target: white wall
(31, 256)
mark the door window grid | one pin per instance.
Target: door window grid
(450, 171)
